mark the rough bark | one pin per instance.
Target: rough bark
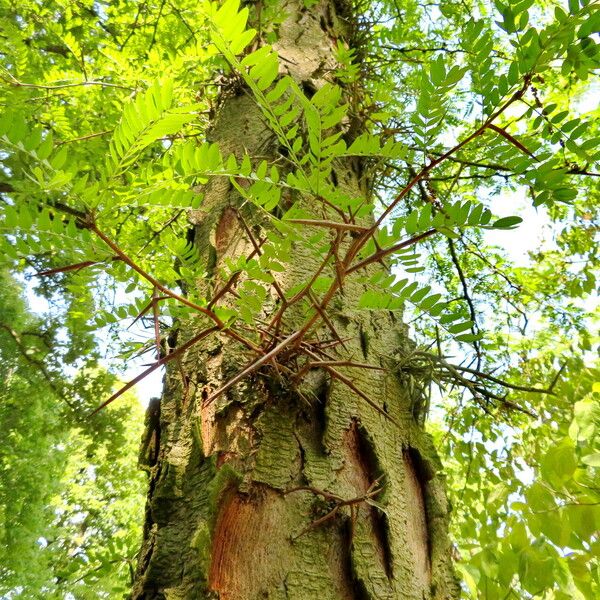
(261, 493)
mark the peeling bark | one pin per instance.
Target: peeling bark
(261, 493)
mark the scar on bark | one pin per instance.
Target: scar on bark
(150, 444)
(315, 414)
(309, 89)
(364, 342)
(364, 469)
(248, 525)
(226, 230)
(417, 476)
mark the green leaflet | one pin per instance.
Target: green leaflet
(149, 117)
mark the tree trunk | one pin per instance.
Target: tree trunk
(278, 489)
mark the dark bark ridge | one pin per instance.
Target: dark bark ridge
(290, 489)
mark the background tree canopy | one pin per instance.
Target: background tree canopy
(476, 124)
(70, 491)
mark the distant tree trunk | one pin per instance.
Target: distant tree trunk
(225, 518)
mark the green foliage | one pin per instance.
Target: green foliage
(532, 515)
(70, 493)
(463, 107)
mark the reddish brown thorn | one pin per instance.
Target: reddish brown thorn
(379, 249)
(258, 251)
(230, 283)
(331, 343)
(511, 139)
(155, 315)
(146, 309)
(318, 522)
(133, 265)
(376, 256)
(75, 267)
(346, 363)
(232, 279)
(301, 372)
(338, 210)
(352, 503)
(252, 367)
(337, 375)
(205, 311)
(328, 224)
(338, 264)
(319, 352)
(276, 321)
(303, 397)
(326, 319)
(159, 363)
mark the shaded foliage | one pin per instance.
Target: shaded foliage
(70, 493)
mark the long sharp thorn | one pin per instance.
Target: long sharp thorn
(142, 313)
(350, 384)
(346, 363)
(325, 318)
(512, 140)
(156, 323)
(74, 267)
(156, 365)
(252, 367)
(328, 224)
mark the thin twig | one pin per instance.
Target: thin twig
(468, 300)
(156, 365)
(63, 86)
(376, 256)
(371, 492)
(328, 224)
(38, 364)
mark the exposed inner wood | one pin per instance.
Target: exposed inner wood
(418, 535)
(246, 549)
